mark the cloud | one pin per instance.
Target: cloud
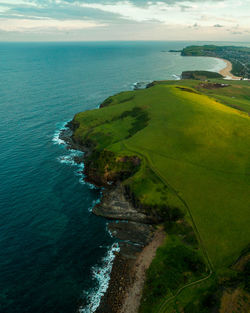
(128, 10)
(139, 3)
(162, 11)
(194, 26)
(4, 8)
(30, 25)
(184, 17)
(171, 11)
(21, 3)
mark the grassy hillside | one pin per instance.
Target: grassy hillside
(193, 141)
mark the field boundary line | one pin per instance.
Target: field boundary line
(209, 263)
(163, 305)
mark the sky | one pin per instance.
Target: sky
(98, 20)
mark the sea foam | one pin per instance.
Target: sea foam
(56, 138)
(101, 274)
(70, 157)
(176, 77)
(94, 203)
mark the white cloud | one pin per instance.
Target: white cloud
(173, 13)
(20, 3)
(31, 25)
(154, 11)
(164, 18)
(3, 9)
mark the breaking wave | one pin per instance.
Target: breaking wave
(102, 275)
(73, 157)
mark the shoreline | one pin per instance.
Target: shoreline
(132, 299)
(128, 277)
(137, 237)
(226, 71)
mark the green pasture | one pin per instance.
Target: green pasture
(199, 146)
(194, 143)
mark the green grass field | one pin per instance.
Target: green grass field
(194, 143)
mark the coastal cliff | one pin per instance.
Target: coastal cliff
(132, 226)
(163, 172)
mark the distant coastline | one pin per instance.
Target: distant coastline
(237, 58)
(225, 71)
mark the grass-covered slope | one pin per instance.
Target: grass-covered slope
(194, 153)
(236, 95)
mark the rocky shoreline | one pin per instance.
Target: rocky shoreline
(131, 226)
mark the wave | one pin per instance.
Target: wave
(72, 157)
(176, 77)
(56, 138)
(108, 231)
(69, 159)
(220, 65)
(140, 84)
(102, 276)
(94, 203)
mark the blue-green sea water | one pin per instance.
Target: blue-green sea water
(54, 254)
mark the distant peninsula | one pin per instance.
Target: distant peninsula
(173, 160)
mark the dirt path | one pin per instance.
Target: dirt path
(133, 296)
(226, 72)
(164, 304)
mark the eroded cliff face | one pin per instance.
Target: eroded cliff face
(102, 167)
(105, 168)
(131, 225)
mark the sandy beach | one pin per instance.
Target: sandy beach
(133, 297)
(226, 72)
(128, 276)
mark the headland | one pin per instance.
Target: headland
(173, 161)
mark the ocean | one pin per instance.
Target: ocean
(54, 254)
